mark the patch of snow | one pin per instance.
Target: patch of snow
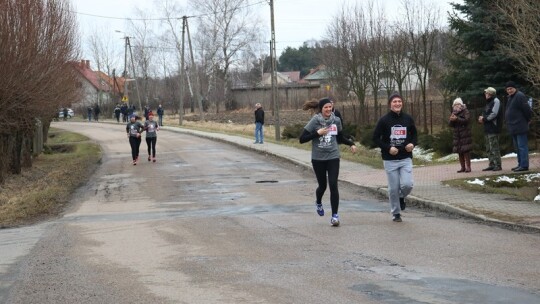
(531, 177)
(476, 181)
(504, 178)
(537, 198)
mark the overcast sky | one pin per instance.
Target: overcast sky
(296, 21)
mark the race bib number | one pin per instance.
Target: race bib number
(332, 130)
(398, 132)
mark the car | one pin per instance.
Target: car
(69, 115)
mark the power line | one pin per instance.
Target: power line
(156, 19)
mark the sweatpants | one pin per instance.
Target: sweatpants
(400, 181)
(321, 168)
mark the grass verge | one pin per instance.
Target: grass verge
(43, 191)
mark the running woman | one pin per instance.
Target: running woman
(151, 127)
(324, 130)
(134, 128)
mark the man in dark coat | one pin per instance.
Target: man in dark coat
(518, 116)
(259, 122)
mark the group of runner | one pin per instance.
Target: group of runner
(134, 129)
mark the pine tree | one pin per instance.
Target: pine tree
(476, 62)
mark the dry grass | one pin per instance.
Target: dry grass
(43, 190)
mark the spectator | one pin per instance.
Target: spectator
(490, 118)
(518, 116)
(65, 112)
(259, 123)
(462, 140)
(117, 112)
(89, 113)
(97, 111)
(124, 112)
(160, 115)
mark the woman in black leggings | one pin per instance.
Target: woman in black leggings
(134, 128)
(324, 130)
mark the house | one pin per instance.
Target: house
(317, 76)
(95, 87)
(283, 78)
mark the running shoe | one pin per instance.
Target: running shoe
(396, 218)
(134, 162)
(320, 210)
(154, 160)
(334, 221)
(149, 158)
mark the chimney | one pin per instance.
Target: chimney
(82, 63)
(88, 64)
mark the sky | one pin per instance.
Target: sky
(296, 21)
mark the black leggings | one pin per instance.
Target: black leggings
(135, 143)
(151, 143)
(321, 168)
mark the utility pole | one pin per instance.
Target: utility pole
(194, 67)
(182, 72)
(274, 72)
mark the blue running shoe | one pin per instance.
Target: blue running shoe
(335, 220)
(320, 210)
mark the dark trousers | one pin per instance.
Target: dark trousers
(322, 168)
(151, 143)
(135, 143)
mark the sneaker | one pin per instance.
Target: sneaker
(320, 210)
(334, 221)
(515, 168)
(134, 162)
(149, 158)
(396, 218)
(402, 204)
(154, 160)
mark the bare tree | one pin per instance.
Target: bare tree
(226, 28)
(37, 76)
(422, 25)
(520, 40)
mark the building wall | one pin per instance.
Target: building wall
(290, 97)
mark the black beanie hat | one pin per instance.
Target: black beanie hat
(510, 84)
(324, 101)
(394, 95)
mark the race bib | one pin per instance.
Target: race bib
(332, 130)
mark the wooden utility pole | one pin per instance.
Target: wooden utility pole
(182, 71)
(274, 72)
(197, 86)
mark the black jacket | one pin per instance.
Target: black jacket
(259, 115)
(491, 114)
(518, 114)
(395, 130)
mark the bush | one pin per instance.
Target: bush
(293, 131)
(366, 137)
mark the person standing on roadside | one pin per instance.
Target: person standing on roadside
(160, 115)
(395, 133)
(117, 113)
(134, 128)
(97, 111)
(259, 123)
(89, 113)
(492, 128)
(518, 116)
(462, 138)
(124, 112)
(151, 127)
(65, 112)
(324, 130)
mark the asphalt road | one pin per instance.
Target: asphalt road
(209, 223)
